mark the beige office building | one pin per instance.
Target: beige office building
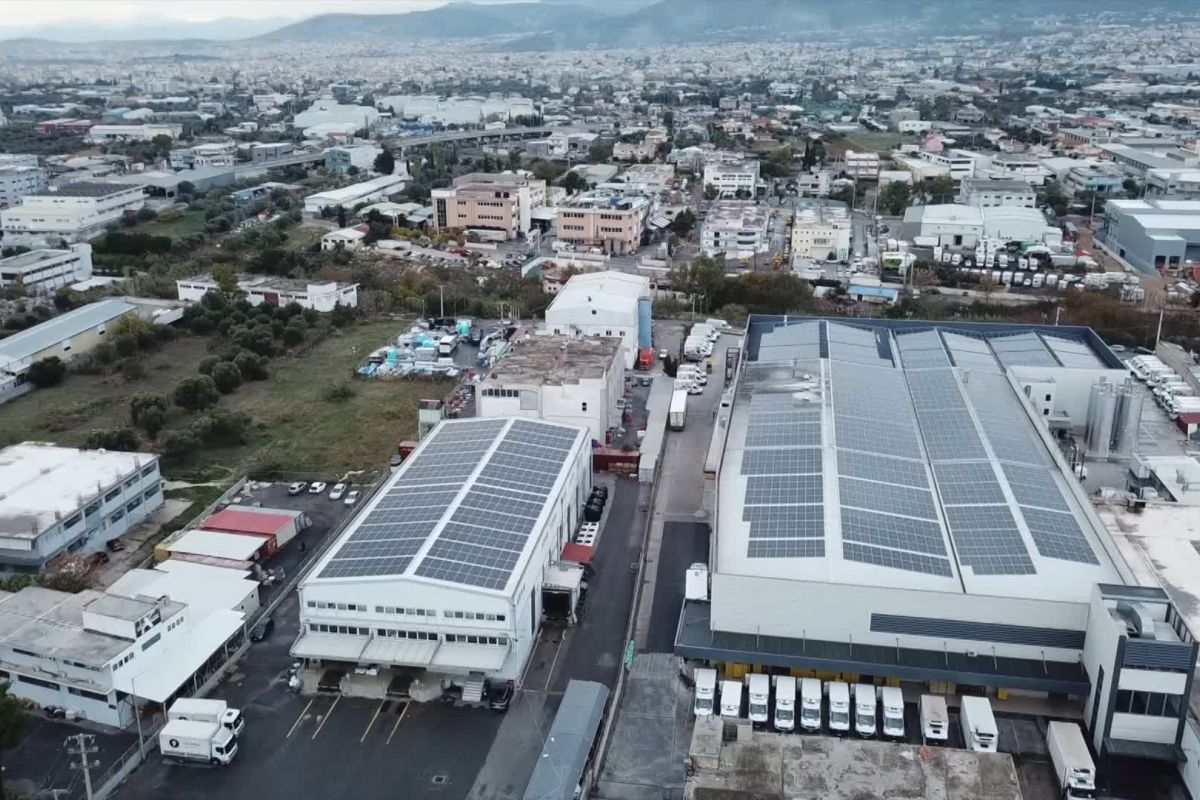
(611, 222)
(502, 203)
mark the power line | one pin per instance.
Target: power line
(84, 748)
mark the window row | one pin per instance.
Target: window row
(461, 638)
(350, 630)
(391, 633)
(501, 393)
(337, 606)
(408, 612)
(479, 615)
(1150, 704)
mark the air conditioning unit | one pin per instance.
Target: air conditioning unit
(971, 654)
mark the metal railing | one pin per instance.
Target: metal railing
(108, 781)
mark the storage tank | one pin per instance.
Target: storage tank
(1129, 419)
(644, 322)
(1102, 409)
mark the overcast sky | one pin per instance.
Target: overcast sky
(18, 14)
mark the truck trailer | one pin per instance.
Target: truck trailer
(185, 740)
(1073, 765)
(678, 411)
(935, 719)
(197, 709)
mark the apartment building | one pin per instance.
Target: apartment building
(503, 203)
(738, 230)
(820, 234)
(609, 221)
(1102, 179)
(43, 271)
(1179, 184)
(640, 151)
(98, 134)
(861, 165)
(18, 180)
(731, 178)
(984, 193)
(76, 212)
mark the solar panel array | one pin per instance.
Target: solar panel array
(849, 343)
(1073, 352)
(1022, 350)
(782, 463)
(791, 342)
(476, 522)
(970, 352)
(921, 349)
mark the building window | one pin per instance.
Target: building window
(584, 407)
(1149, 704)
(153, 640)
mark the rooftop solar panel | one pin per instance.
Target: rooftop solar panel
(1035, 487)
(896, 559)
(885, 497)
(785, 548)
(894, 532)
(1058, 536)
(782, 461)
(874, 467)
(986, 538)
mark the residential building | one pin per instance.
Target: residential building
(132, 133)
(813, 184)
(1102, 179)
(1152, 235)
(574, 381)
(264, 152)
(861, 165)
(59, 499)
(440, 607)
(982, 192)
(349, 196)
(951, 225)
(732, 179)
(75, 212)
(941, 538)
(610, 222)
(503, 203)
(821, 233)
(276, 291)
(737, 229)
(345, 238)
(44, 271)
(640, 151)
(18, 180)
(969, 114)
(960, 163)
(360, 155)
(604, 304)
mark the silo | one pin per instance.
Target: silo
(644, 338)
(1129, 420)
(1100, 436)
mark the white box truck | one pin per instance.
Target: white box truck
(678, 412)
(760, 698)
(1072, 761)
(892, 701)
(864, 710)
(200, 742)
(978, 725)
(810, 704)
(935, 719)
(197, 709)
(706, 691)
(839, 707)
(731, 699)
(785, 702)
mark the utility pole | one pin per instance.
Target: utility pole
(441, 302)
(1158, 333)
(84, 748)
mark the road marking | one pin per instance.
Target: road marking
(557, 650)
(529, 662)
(325, 718)
(299, 719)
(374, 717)
(403, 711)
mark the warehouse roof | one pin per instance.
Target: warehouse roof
(466, 508)
(609, 289)
(250, 520)
(903, 455)
(32, 341)
(555, 360)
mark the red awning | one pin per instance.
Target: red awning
(579, 553)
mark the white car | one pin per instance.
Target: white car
(338, 491)
(317, 487)
(695, 388)
(352, 497)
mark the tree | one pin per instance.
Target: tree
(227, 377)
(938, 190)
(196, 393)
(894, 198)
(112, 439)
(683, 223)
(710, 192)
(600, 151)
(1053, 197)
(573, 182)
(227, 281)
(293, 334)
(341, 216)
(252, 366)
(142, 403)
(178, 445)
(152, 421)
(385, 162)
(12, 726)
(1131, 187)
(49, 371)
(704, 276)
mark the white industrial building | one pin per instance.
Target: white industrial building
(1019, 224)
(44, 271)
(74, 212)
(892, 504)
(276, 291)
(18, 180)
(821, 233)
(739, 230)
(861, 165)
(350, 196)
(132, 133)
(604, 304)
(731, 177)
(984, 192)
(448, 568)
(558, 379)
(57, 499)
(951, 224)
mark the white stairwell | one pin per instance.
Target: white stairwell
(473, 690)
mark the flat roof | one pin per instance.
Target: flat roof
(466, 509)
(590, 289)
(555, 360)
(33, 340)
(23, 262)
(250, 520)
(157, 673)
(949, 485)
(85, 189)
(216, 544)
(357, 190)
(41, 483)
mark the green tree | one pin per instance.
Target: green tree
(123, 438)
(48, 371)
(252, 366)
(226, 279)
(683, 223)
(710, 192)
(341, 216)
(12, 726)
(385, 162)
(143, 403)
(938, 190)
(227, 377)
(573, 182)
(196, 393)
(178, 445)
(600, 151)
(702, 279)
(293, 334)
(894, 198)
(152, 421)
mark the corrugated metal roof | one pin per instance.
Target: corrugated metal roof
(31, 341)
(568, 743)
(239, 520)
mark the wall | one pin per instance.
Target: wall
(1073, 387)
(104, 711)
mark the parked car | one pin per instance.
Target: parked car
(317, 487)
(337, 492)
(297, 488)
(352, 497)
(115, 545)
(499, 696)
(262, 630)
(663, 355)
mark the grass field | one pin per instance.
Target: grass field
(185, 224)
(296, 429)
(875, 141)
(302, 235)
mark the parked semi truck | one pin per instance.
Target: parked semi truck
(199, 742)
(1073, 766)
(196, 709)
(678, 412)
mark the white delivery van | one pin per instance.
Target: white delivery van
(864, 710)
(706, 691)
(199, 709)
(731, 699)
(892, 700)
(1072, 761)
(785, 702)
(760, 698)
(978, 725)
(810, 704)
(839, 707)
(935, 719)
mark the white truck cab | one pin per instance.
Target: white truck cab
(760, 698)
(731, 699)
(839, 707)
(892, 700)
(785, 702)
(810, 704)
(935, 719)
(706, 692)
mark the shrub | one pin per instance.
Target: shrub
(47, 372)
(196, 393)
(339, 392)
(124, 438)
(226, 376)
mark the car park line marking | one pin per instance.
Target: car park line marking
(374, 717)
(399, 719)
(299, 719)
(557, 650)
(529, 662)
(325, 718)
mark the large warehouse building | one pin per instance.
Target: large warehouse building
(447, 568)
(892, 505)
(607, 303)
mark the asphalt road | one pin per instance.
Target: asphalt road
(683, 544)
